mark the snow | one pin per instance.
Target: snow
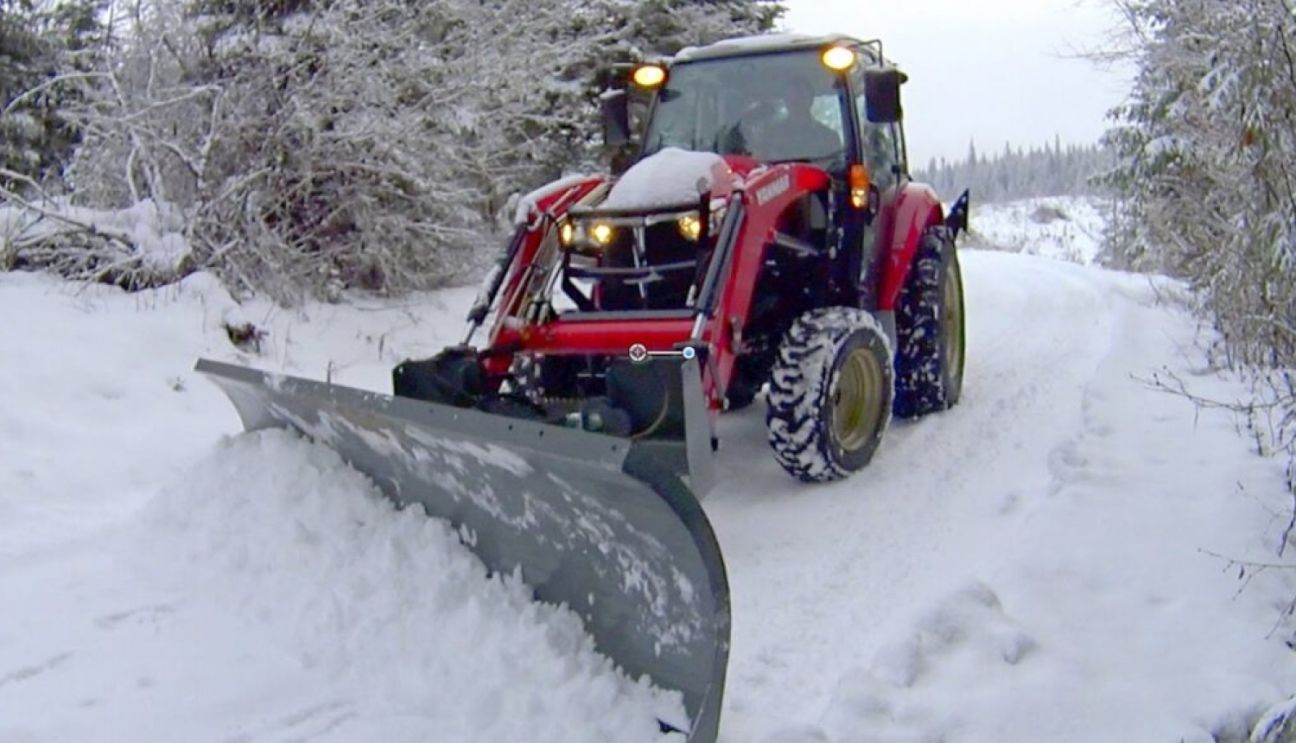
(1050, 560)
(174, 583)
(1035, 564)
(758, 43)
(153, 231)
(355, 589)
(672, 177)
(1063, 227)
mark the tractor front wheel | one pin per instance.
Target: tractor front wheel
(830, 394)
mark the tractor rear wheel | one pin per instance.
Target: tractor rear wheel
(830, 394)
(930, 330)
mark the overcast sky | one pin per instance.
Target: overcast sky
(992, 71)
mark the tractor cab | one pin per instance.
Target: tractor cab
(831, 101)
(773, 108)
(719, 115)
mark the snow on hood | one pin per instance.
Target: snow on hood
(668, 178)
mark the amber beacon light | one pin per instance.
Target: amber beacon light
(838, 58)
(649, 76)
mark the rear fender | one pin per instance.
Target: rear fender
(914, 210)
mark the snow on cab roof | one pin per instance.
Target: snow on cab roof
(760, 43)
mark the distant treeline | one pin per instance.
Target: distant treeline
(1014, 173)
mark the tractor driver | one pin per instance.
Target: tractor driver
(797, 134)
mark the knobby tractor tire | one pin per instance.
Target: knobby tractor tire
(830, 394)
(930, 329)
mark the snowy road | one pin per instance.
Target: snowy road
(818, 573)
(1032, 565)
(1025, 566)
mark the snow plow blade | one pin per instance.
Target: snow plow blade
(593, 522)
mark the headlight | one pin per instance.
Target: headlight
(690, 226)
(576, 235)
(602, 234)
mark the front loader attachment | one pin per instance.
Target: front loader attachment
(593, 522)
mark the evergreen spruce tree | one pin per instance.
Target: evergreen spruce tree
(1206, 159)
(22, 54)
(39, 45)
(1019, 173)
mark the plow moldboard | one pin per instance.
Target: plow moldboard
(590, 522)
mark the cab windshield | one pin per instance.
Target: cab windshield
(772, 107)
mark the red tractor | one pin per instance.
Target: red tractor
(767, 229)
(765, 235)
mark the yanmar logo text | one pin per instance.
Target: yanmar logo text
(768, 192)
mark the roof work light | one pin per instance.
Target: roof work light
(649, 76)
(838, 58)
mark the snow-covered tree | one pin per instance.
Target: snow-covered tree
(21, 53)
(318, 144)
(1206, 176)
(666, 26)
(39, 44)
(1207, 163)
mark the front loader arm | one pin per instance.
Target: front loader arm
(505, 288)
(761, 201)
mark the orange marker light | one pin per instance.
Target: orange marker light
(860, 183)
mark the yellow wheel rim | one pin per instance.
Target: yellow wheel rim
(858, 400)
(952, 323)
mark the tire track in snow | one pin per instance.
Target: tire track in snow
(819, 574)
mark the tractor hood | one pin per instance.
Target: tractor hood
(667, 179)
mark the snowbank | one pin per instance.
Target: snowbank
(164, 584)
(148, 233)
(1063, 227)
(388, 604)
(1047, 561)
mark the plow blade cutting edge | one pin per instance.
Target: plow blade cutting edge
(593, 522)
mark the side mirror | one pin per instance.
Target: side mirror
(882, 95)
(616, 118)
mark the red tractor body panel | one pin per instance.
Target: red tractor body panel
(904, 218)
(765, 194)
